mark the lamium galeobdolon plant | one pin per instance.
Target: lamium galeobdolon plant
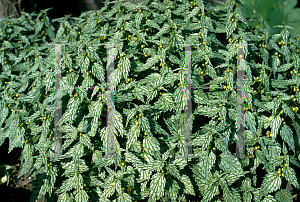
(149, 63)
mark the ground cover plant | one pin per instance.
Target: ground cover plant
(149, 133)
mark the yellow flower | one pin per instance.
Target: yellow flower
(137, 123)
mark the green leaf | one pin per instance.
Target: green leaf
(284, 195)
(229, 164)
(124, 197)
(64, 197)
(81, 196)
(232, 177)
(269, 198)
(109, 190)
(130, 114)
(288, 111)
(230, 27)
(250, 120)
(125, 66)
(99, 72)
(138, 19)
(76, 151)
(286, 134)
(275, 125)
(132, 136)
(151, 144)
(165, 102)
(172, 188)
(27, 156)
(271, 183)
(157, 186)
(207, 160)
(231, 195)
(211, 192)
(67, 185)
(290, 176)
(200, 97)
(172, 170)
(207, 111)
(284, 67)
(247, 197)
(189, 188)
(203, 140)
(178, 97)
(139, 92)
(153, 24)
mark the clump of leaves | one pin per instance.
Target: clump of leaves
(149, 134)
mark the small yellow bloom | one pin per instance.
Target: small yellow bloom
(137, 123)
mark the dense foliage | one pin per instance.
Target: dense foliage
(149, 133)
